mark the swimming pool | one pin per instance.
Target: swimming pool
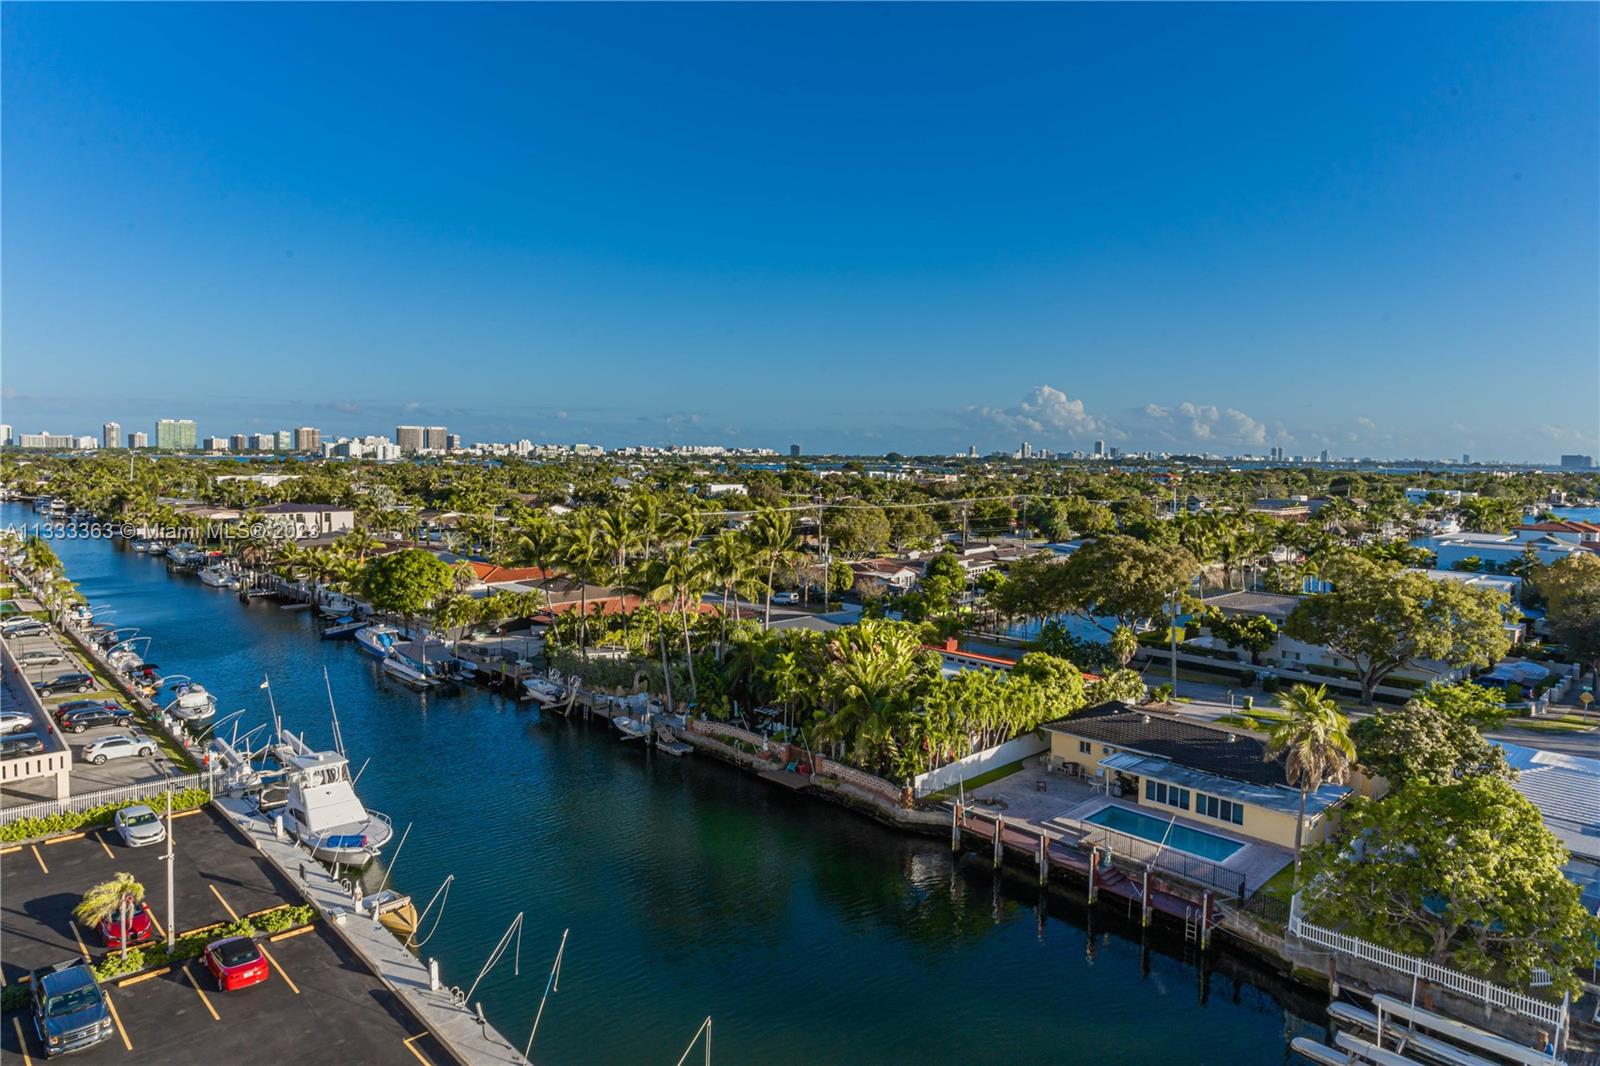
(1180, 837)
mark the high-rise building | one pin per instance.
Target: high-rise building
(1099, 449)
(53, 441)
(85, 443)
(138, 440)
(239, 442)
(1466, 460)
(436, 439)
(794, 451)
(264, 442)
(175, 433)
(453, 442)
(285, 441)
(1577, 462)
(410, 439)
(110, 435)
(307, 439)
(5, 433)
(215, 444)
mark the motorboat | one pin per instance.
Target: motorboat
(632, 728)
(545, 691)
(156, 548)
(141, 546)
(337, 604)
(219, 576)
(184, 554)
(377, 640)
(323, 812)
(407, 672)
(189, 701)
(343, 628)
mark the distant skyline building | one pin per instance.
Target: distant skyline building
(137, 440)
(239, 442)
(1323, 458)
(409, 439)
(436, 439)
(174, 434)
(453, 442)
(1577, 462)
(111, 435)
(285, 440)
(794, 451)
(5, 433)
(216, 444)
(307, 439)
(1466, 460)
(264, 442)
(1099, 449)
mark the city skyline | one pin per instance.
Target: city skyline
(910, 229)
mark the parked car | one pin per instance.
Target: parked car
(14, 722)
(69, 1010)
(20, 744)
(119, 746)
(61, 710)
(23, 627)
(138, 825)
(98, 714)
(40, 657)
(788, 596)
(235, 962)
(141, 929)
(75, 682)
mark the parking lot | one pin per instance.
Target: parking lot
(321, 1002)
(85, 776)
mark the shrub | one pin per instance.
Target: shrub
(287, 917)
(94, 817)
(114, 965)
(1247, 678)
(13, 997)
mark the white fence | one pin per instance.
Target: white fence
(1542, 1011)
(144, 790)
(979, 762)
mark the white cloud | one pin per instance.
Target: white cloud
(1046, 410)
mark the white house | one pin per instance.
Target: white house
(1495, 550)
(311, 519)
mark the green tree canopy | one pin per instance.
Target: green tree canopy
(1482, 708)
(857, 530)
(1126, 580)
(1464, 874)
(1383, 618)
(406, 582)
(1422, 743)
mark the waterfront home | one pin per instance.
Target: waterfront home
(306, 520)
(1495, 550)
(893, 575)
(1202, 775)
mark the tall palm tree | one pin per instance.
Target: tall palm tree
(1315, 745)
(537, 544)
(646, 521)
(115, 898)
(581, 551)
(730, 565)
(616, 526)
(773, 535)
(679, 580)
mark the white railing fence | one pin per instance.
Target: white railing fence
(1539, 1010)
(144, 790)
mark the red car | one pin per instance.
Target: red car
(141, 929)
(236, 963)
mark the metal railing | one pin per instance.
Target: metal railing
(144, 790)
(1179, 864)
(1476, 988)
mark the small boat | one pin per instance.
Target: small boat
(141, 546)
(336, 605)
(184, 554)
(394, 912)
(343, 628)
(408, 672)
(156, 548)
(191, 702)
(377, 640)
(544, 691)
(218, 576)
(632, 728)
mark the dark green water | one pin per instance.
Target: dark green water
(809, 934)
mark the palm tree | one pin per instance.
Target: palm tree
(730, 564)
(647, 521)
(616, 526)
(582, 552)
(1124, 643)
(115, 898)
(1315, 744)
(679, 579)
(773, 536)
(537, 544)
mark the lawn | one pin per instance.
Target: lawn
(1280, 885)
(1550, 725)
(985, 778)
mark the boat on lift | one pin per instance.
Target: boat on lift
(187, 700)
(322, 810)
(407, 672)
(218, 576)
(337, 605)
(545, 691)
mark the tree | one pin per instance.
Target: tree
(943, 582)
(1463, 873)
(1124, 643)
(910, 527)
(1255, 633)
(1126, 580)
(1571, 588)
(117, 898)
(856, 529)
(582, 552)
(1481, 708)
(1124, 686)
(1061, 680)
(1383, 618)
(406, 583)
(840, 576)
(1422, 743)
(1315, 745)
(776, 543)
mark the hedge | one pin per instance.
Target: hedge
(94, 817)
(190, 946)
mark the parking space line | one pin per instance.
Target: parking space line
(231, 912)
(200, 992)
(106, 848)
(275, 937)
(64, 839)
(22, 1041)
(162, 933)
(36, 855)
(118, 1019)
(420, 1056)
(75, 935)
(136, 978)
(276, 965)
(185, 814)
(8, 851)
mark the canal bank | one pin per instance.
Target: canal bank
(808, 933)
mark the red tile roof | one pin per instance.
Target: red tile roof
(1563, 526)
(490, 574)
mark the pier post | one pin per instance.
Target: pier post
(1044, 860)
(1205, 920)
(999, 838)
(955, 828)
(1094, 870)
(1144, 894)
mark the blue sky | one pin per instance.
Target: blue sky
(1367, 228)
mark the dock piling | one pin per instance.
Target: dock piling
(955, 828)
(999, 838)
(1144, 898)
(1044, 860)
(1094, 870)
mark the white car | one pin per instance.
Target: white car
(119, 746)
(41, 657)
(14, 722)
(139, 825)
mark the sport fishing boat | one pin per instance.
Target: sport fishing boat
(377, 640)
(545, 691)
(323, 811)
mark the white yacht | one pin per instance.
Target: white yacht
(337, 605)
(323, 811)
(544, 691)
(189, 701)
(377, 640)
(218, 576)
(408, 672)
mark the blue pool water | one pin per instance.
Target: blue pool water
(1180, 837)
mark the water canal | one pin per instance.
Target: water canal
(810, 934)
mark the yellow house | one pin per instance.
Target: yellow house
(1208, 776)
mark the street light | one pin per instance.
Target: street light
(172, 921)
